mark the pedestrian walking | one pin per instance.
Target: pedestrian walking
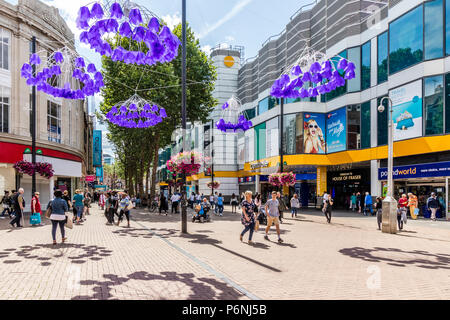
(192, 200)
(327, 208)
(281, 208)
(163, 204)
(379, 209)
(78, 204)
(295, 205)
(353, 202)
(248, 216)
(368, 204)
(174, 199)
(220, 204)
(87, 204)
(124, 209)
(401, 212)
(273, 215)
(198, 198)
(101, 201)
(216, 199)
(358, 202)
(36, 213)
(114, 207)
(6, 204)
(234, 203)
(19, 205)
(413, 203)
(58, 208)
(433, 205)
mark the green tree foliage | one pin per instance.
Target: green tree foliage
(161, 84)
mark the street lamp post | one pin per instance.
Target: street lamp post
(33, 123)
(389, 218)
(183, 115)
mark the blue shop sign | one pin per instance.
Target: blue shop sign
(440, 169)
(306, 176)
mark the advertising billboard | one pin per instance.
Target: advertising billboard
(407, 107)
(314, 137)
(97, 146)
(337, 130)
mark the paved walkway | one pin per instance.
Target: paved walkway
(348, 259)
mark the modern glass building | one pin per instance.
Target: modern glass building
(337, 142)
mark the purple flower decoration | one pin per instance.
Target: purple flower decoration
(342, 64)
(26, 71)
(116, 11)
(58, 57)
(139, 34)
(296, 71)
(135, 17)
(79, 62)
(34, 59)
(112, 25)
(84, 37)
(225, 106)
(306, 77)
(315, 67)
(153, 25)
(125, 30)
(97, 11)
(162, 113)
(91, 68)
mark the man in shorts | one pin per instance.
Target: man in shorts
(273, 216)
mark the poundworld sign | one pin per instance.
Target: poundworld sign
(440, 169)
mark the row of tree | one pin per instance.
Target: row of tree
(137, 149)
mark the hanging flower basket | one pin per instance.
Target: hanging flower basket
(43, 168)
(282, 179)
(213, 184)
(187, 163)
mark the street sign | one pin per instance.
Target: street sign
(90, 178)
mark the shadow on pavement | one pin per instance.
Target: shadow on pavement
(201, 288)
(77, 253)
(399, 258)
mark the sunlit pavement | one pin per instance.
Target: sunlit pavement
(348, 259)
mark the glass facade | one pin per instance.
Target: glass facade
(434, 105)
(260, 141)
(266, 104)
(342, 90)
(365, 65)
(447, 103)
(354, 55)
(382, 123)
(382, 59)
(365, 125)
(406, 40)
(434, 28)
(250, 113)
(354, 127)
(447, 27)
(272, 137)
(289, 129)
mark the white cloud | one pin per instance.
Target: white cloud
(230, 15)
(229, 38)
(207, 49)
(69, 11)
(172, 20)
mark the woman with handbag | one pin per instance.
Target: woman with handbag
(35, 218)
(248, 216)
(58, 208)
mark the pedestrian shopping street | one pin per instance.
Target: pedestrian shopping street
(348, 259)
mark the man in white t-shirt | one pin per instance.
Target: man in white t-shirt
(175, 199)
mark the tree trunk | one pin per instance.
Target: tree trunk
(155, 166)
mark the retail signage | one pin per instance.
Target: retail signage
(305, 176)
(440, 169)
(336, 130)
(259, 165)
(314, 138)
(347, 176)
(97, 146)
(407, 111)
(89, 178)
(321, 180)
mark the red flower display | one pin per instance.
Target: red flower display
(282, 179)
(213, 184)
(187, 163)
(43, 168)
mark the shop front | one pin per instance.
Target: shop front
(342, 184)
(421, 180)
(247, 184)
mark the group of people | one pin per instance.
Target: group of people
(216, 201)
(14, 203)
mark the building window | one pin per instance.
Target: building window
(293, 134)
(406, 40)
(434, 105)
(447, 26)
(4, 49)
(382, 123)
(365, 125)
(263, 106)
(354, 55)
(365, 65)
(434, 28)
(54, 122)
(250, 113)
(382, 74)
(272, 137)
(354, 127)
(260, 141)
(447, 103)
(341, 90)
(4, 111)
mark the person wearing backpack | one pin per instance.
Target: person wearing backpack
(6, 203)
(433, 205)
(58, 207)
(19, 205)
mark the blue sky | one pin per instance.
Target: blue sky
(246, 23)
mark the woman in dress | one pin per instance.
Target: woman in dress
(36, 210)
(101, 201)
(248, 216)
(313, 141)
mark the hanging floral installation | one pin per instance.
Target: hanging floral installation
(136, 112)
(282, 179)
(185, 163)
(109, 18)
(43, 168)
(63, 74)
(233, 119)
(213, 185)
(313, 74)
